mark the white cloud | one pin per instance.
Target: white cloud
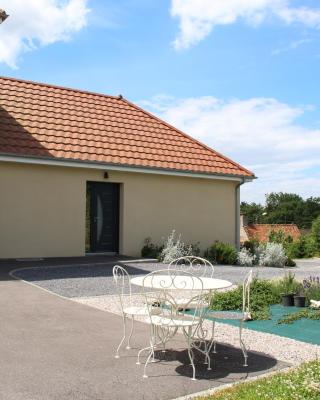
(291, 46)
(262, 134)
(197, 18)
(35, 23)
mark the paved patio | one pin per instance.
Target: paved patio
(52, 348)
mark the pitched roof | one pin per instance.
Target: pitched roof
(261, 231)
(41, 120)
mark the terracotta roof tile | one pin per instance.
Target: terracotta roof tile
(53, 122)
(261, 231)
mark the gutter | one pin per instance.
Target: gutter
(237, 212)
(62, 162)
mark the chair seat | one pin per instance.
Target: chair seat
(175, 321)
(140, 311)
(190, 304)
(236, 315)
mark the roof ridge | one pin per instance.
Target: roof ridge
(189, 137)
(50, 85)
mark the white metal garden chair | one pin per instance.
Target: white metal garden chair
(191, 264)
(194, 265)
(158, 288)
(240, 316)
(128, 309)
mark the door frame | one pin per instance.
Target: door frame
(93, 224)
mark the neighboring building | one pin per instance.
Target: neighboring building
(261, 231)
(84, 172)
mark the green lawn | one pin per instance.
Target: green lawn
(302, 383)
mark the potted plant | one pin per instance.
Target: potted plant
(289, 287)
(300, 298)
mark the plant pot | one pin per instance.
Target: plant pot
(287, 300)
(300, 301)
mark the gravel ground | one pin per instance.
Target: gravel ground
(96, 279)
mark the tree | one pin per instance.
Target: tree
(253, 212)
(283, 208)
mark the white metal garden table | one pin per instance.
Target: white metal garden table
(180, 283)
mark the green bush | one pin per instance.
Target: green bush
(150, 250)
(251, 245)
(221, 253)
(305, 247)
(279, 237)
(316, 232)
(262, 294)
(290, 262)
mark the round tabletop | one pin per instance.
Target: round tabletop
(181, 282)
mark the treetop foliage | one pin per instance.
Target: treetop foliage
(283, 208)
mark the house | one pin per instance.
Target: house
(82, 172)
(261, 232)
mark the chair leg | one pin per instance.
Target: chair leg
(213, 342)
(242, 345)
(151, 354)
(131, 331)
(124, 319)
(189, 338)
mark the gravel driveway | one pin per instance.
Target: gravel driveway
(96, 279)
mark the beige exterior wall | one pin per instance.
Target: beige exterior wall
(42, 209)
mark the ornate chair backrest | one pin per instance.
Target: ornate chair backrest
(159, 288)
(246, 292)
(122, 280)
(194, 265)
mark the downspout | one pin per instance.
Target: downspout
(237, 211)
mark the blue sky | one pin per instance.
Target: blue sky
(241, 76)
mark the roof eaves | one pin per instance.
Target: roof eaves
(8, 157)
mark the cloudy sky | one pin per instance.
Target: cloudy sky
(240, 75)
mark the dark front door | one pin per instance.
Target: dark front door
(103, 217)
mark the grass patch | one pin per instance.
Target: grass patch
(302, 383)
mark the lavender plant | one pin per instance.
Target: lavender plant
(311, 286)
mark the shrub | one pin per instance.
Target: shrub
(221, 253)
(305, 247)
(279, 237)
(273, 255)
(245, 257)
(262, 294)
(251, 245)
(175, 248)
(316, 232)
(150, 250)
(290, 262)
